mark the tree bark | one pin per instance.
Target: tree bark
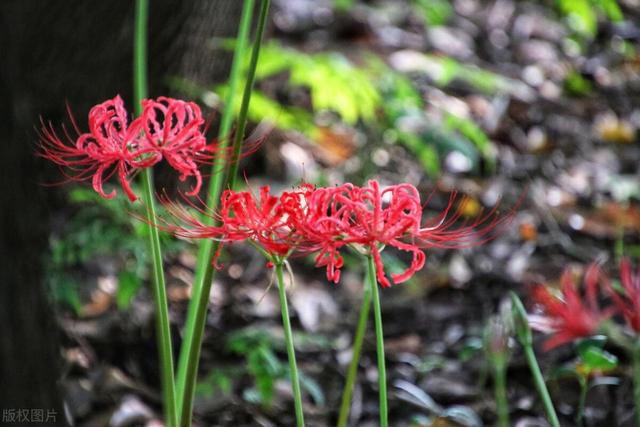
(76, 52)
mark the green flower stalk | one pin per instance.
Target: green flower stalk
(582, 400)
(352, 372)
(190, 354)
(500, 390)
(382, 370)
(263, 221)
(163, 330)
(525, 337)
(288, 336)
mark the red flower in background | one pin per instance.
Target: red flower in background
(570, 316)
(172, 129)
(628, 304)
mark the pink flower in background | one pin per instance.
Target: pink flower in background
(570, 315)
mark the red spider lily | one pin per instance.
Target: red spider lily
(168, 128)
(173, 130)
(384, 217)
(261, 220)
(629, 303)
(570, 316)
(375, 218)
(106, 149)
(242, 216)
(321, 223)
(297, 220)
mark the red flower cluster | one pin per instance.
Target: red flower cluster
(567, 315)
(167, 128)
(573, 315)
(322, 221)
(265, 220)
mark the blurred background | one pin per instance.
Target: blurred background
(491, 98)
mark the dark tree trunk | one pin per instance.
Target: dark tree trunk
(74, 51)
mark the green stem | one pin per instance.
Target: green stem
(204, 269)
(500, 387)
(382, 370)
(140, 85)
(232, 172)
(242, 43)
(163, 327)
(582, 400)
(636, 379)
(538, 379)
(198, 308)
(352, 372)
(291, 352)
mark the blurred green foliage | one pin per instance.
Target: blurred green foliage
(590, 369)
(334, 83)
(402, 101)
(432, 141)
(343, 5)
(444, 70)
(258, 349)
(434, 12)
(262, 363)
(575, 84)
(217, 379)
(371, 96)
(99, 227)
(582, 15)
